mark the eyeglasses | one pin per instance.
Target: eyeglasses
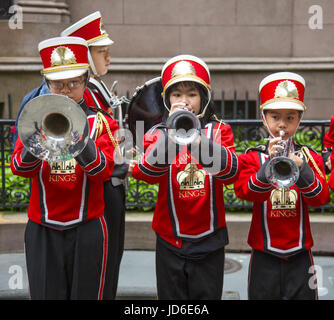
(71, 85)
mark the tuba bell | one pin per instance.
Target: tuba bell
(281, 171)
(53, 128)
(183, 127)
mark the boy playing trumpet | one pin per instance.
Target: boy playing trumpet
(280, 234)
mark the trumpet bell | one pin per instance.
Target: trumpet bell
(282, 172)
(53, 128)
(183, 127)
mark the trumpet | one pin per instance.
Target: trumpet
(53, 128)
(183, 127)
(281, 171)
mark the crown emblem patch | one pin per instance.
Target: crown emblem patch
(283, 199)
(64, 167)
(191, 178)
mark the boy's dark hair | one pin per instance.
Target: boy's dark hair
(299, 111)
(210, 110)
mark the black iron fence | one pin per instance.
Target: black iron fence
(15, 191)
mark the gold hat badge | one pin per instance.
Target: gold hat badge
(182, 68)
(191, 178)
(286, 89)
(102, 29)
(62, 56)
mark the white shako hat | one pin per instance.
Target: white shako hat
(64, 57)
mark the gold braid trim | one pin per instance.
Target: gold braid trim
(308, 156)
(99, 128)
(214, 117)
(220, 123)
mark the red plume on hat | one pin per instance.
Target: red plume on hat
(329, 136)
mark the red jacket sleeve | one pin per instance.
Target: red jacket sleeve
(23, 163)
(315, 191)
(97, 159)
(223, 137)
(250, 185)
(331, 178)
(222, 163)
(143, 170)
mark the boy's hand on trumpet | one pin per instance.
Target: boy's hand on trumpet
(131, 166)
(296, 159)
(275, 148)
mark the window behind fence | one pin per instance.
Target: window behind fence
(240, 107)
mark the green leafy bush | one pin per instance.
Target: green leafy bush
(142, 196)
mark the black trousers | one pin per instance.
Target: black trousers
(69, 264)
(180, 278)
(114, 213)
(274, 278)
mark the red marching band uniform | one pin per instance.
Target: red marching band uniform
(282, 230)
(84, 182)
(194, 210)
(280, 223)
(67, 196)
(329, 143)
(99, 99)
(185, 202)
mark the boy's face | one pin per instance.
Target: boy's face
(73, 88)
(282, 119)
(186, 95)
(101, 58)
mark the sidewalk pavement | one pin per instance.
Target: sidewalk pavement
(137, 276)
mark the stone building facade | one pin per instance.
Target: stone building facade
(241, 40)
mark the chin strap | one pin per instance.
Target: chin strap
(91, 63)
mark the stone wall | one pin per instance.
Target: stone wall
(242, 41)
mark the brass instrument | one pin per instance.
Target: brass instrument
(53, 128)
(114, 102)
(183, 127)
(281, 171)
